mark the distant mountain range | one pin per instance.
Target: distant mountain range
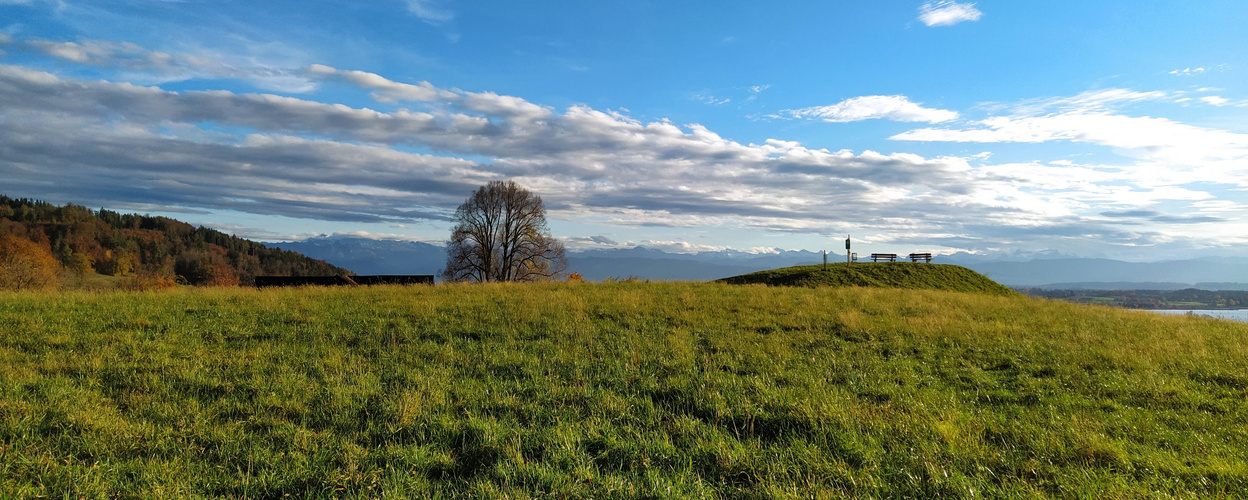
(367, 256)
(1224, 272)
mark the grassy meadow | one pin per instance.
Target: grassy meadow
(659, 390)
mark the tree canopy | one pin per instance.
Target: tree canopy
(26, 265)
(111, 243)
(501, 235)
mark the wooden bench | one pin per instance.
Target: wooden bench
(927, 257)
(876, 257)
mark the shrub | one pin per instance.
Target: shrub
(145, 281)
(220, 275)
(26, 265)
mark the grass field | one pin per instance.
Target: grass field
(613, 390)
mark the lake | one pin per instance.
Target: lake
(1235, 314)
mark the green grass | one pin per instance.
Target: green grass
(613, 390)
(906, 275)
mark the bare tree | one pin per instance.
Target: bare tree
(501, 235)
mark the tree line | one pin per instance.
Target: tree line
(1190, 298)
(37, 237)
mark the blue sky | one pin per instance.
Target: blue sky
(1096, 129)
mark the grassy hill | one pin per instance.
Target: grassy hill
(613, 390)
(877, 274)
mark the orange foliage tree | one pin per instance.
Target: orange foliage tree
(26, 265)
(220, 275)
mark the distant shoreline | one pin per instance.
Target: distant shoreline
(1239, 314)
(1186, 308)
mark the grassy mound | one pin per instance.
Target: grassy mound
(882, 274)
(624, 390)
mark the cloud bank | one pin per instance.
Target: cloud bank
(414, 158)
(1092, 118)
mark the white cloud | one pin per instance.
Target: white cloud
(372, 235)
(384, 90)
(504, 106)
(429, 11)
(947, 13)
(1166, 160)
(1220, 206)
(1095, 117)
(1188, 71)
(755, 90)
(591, 242)
(160, 67)
(1215, 100)
(1089, 101)
(95, 52)
(1100, 99)
(681, 246)
(389, 91)
(706, 98)
(890, 107)
(1142, 137)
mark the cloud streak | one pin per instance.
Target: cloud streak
(947, 13)
(429, 11)
(161, 67)
(1157, 139)
(872, 107)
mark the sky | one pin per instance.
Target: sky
(1092, 129)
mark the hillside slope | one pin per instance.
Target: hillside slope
(881, 275)
(87, 241)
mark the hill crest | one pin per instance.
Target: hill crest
(879, 275)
